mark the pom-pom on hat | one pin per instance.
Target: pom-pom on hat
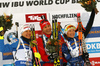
(68, 27)
(43, 23)
(25, 27)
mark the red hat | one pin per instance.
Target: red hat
(43, 23)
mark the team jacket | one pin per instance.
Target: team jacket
(20, 53)
(7, 51)
(71, 53)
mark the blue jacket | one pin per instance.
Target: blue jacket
(21, 56)
(67, 55)
(7, 49)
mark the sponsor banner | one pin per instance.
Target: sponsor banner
(93, 47)
(21, 6)
(95, 61)
(34, 17)
(37, 5)
(94, 32)
(70, 17)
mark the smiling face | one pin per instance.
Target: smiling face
(47, 29)
(27, 34)
(71, 33)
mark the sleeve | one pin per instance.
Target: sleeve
(15, 44)
(90, 23)
(62, 39)
(7, 47)
(65, 52)
(41, 50)
(1, 45)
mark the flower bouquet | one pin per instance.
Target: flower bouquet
(89, 5)
(53, 46)
(6, 22)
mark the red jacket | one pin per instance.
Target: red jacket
(41, 49)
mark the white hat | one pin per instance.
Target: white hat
(25, 27)
(68, 27)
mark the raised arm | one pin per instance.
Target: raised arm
(7, 47)
(90, 23)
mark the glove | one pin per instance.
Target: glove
(60, 42)
(52, 56)
(55, 55)
(1, 37)
(33, 43)
(37, 55)
(64, 64)
(85, 55)
(1, 33)
(1, 29)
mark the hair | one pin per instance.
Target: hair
(65, 36)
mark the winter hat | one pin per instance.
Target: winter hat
(43, 23)
(25, 27)
(68, 27)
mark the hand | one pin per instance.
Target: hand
(37, 55)
(85, 55)
(1, 31)
(33, 43)
(55, 55)
(1, 37)
(52, 56)
(61, 42)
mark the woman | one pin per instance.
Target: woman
(47, 33)
(23, 54)
(70, 49)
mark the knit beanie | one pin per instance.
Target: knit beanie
(43, 23)
(68, 27)
(25, 27)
